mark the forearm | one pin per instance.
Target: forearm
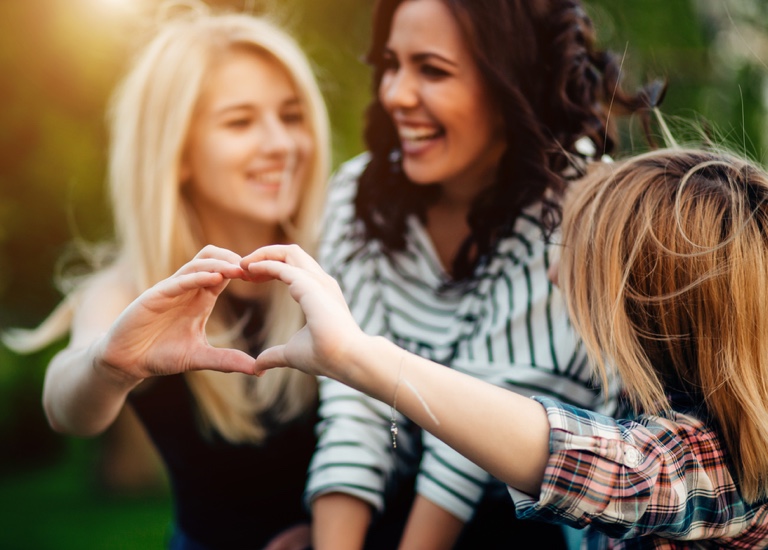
(353, 455)
(339, 522)
(430, 527)
(502, 432)
(81, 394)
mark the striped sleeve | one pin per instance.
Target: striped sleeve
(354, 452)
(449, 479)
(517, 336)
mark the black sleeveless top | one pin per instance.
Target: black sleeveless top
(226, 495)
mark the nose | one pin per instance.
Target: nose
(398, 90)
(277, 139)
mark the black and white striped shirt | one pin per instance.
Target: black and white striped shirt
(509, 329)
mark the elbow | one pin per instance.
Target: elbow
(64, 429)
(57, 427)
(53, 421)
(50, 412)
(60, 426)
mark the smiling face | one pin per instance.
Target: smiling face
(249, 146)
(449, 131)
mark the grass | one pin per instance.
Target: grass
(61, 507)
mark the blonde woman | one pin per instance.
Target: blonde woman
(664, 267)
(219, 136)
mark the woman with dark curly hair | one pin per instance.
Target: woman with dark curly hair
(440, 237)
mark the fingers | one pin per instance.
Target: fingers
(182, 283)
(228, 266)
(267, 270)
(290, 254)
(270, 358)
(215, 252)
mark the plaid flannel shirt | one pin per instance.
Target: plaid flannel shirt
(651, 482)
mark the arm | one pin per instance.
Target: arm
(346, 479)
(298, 537)
(339, 522)
(353, 464)
(80, 395)
(161, 332)
(657, 476)
(468, 414)
(662, 477)
(520, 340)
(430, 527)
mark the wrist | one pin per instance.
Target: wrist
(372, 366)
(104, 369)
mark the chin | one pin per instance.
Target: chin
(420, 176)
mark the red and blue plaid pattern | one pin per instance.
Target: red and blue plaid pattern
(651, 482)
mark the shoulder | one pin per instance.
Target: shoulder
(352, 168)
(527, 244)
(339, 208)
(343, 184)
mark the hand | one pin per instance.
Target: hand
(163, 331)
(318, 348)
(298, 537)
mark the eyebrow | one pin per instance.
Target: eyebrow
(424, 56)
(291, 102)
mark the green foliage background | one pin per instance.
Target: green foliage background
(59, 60)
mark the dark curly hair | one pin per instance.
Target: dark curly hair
(540, 64)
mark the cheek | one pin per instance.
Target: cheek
(209, 155)
(382, 91)
(305, 144)
(305, 148)
(487, 136)
(484, 120)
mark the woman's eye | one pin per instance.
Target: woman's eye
(293, 118)
(432, 71)
(237, 122)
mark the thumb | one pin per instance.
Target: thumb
(271, 358)
(223, 360)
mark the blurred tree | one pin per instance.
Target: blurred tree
(714, 54)
(51, 101)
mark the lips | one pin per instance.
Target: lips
(269, 178)
(415, 139)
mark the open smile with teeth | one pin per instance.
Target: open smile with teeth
(273, 177)
(419, 134)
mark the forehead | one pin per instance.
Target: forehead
(245, 75)
(426, 26)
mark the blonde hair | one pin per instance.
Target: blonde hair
(665, 269)
(156, 229)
